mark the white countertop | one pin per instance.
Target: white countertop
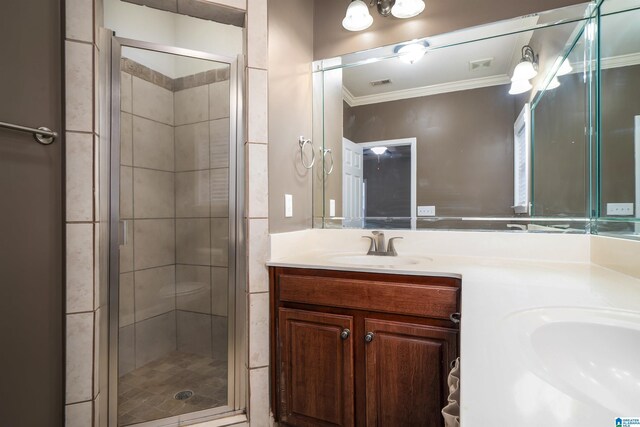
(503, 381)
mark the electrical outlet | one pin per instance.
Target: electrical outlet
(619, 209)
(426, 211)
(288, 205)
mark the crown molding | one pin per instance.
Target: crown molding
(620, 61)
(418, 92)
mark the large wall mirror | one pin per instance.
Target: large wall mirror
(619, 143)
(485, 128)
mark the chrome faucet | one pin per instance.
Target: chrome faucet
(377, 246)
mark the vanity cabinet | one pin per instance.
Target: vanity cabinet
(361, 349)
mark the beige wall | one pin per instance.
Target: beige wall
(440, 16)
(290, 56)
(464, 146)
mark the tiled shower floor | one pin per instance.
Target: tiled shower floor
(147, 393)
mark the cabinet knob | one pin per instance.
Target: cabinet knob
(455, 317)
(345, 334)
(368, 337)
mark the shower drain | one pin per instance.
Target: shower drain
(183, 395)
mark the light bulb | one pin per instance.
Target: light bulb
(357, 17)
(412, 53)
(524, 71)
(407, 8)
(565, 68)
(378, 150)
(519, 86)
(554, 83)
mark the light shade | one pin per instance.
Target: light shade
(412, 53)
(565, 68)
(519, 86)
(554, 83)
(378, 150)
(524, 71)
(357, 17)
(407, 8)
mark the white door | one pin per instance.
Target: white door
(352, 190)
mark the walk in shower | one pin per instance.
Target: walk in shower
(174, 244)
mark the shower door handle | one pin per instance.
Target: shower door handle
(122, 232)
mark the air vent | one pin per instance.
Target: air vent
(380, 82)
(480, 64)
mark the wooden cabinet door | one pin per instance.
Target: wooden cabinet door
(406, 373)
(316, 369)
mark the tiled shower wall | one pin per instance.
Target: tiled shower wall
(86, 100)
(174, 198)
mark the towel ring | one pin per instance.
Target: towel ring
(324, 153)
(302, 141)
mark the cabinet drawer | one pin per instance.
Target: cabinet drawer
(426, 300)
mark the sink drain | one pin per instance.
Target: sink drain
(183, 395)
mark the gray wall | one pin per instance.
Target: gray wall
(464, 146)
(620, 98)
(290, 99)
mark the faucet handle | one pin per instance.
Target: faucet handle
(372, 246)
(391, 247)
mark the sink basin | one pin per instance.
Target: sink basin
(377, 261)
(590, 354)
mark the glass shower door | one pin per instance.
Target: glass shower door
(176, 255)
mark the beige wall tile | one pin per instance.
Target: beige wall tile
(126, 192)
(219, 291)
(258, 330)
(125, 309)
(219, 100)
(155, 292)
(220, 337)
(238, 4)
(192, 194)
(220, 193)
(126, 350)
(79, 20)
(152, 145)
(258, 246)
(258, 180)
(78, 415)
(153, 194)
(257, 106)
(194, 333)
(257, 49)
(126, 92)
(192, 147)
(126, 251)
(79, 353)
(154, 242)
(192, 241)
(126, 139)
(152, 102)
(219, 131)
(259, 397)
(193, 288)
(79, 177)
(155, 338)
(79, 267)
(79, 86)
(191, 105)
(220, 242)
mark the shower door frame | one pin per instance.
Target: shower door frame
(236, 330)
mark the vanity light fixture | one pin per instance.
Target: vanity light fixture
(565, 68)
(379, 150)
(554, 83)
(526, 69)
(358, 17)
(412, 52)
